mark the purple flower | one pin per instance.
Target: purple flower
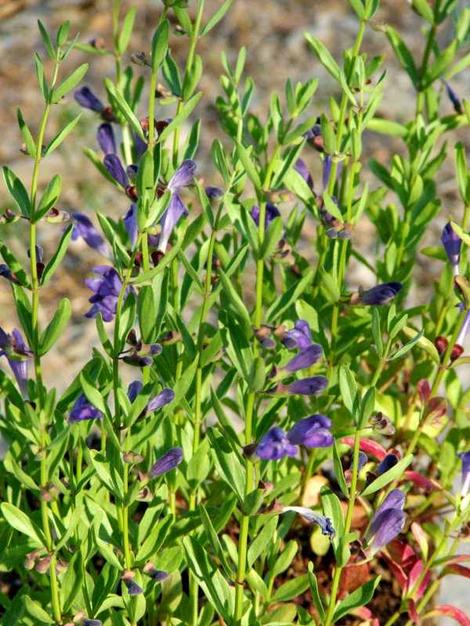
(275, 445)
(452, 245)
(312, 432)
(465, 489)
(17, 353)
(116, 169)
(176, 209)
(378, 295)
(134, 389)
(167, 462)
(305, 386)
(130, 223)
(305, 358)
(157, 575)
(106, 289)
(92, 622)
(133, 588)
(453, 97)
(83, 410)
(87, 99)
(298, 337)
(362, 460)
(301, 167)
(326, 170)
(271, 213)
(83, 227)
(183, 176)
(164, 397)
(389, 520)
(387, 463)
(140, 146)
(106, 139)
(213, 192)
(322, 521)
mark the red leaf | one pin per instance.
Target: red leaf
(368, 446)
(450, 611)
(413, 613)
(428, 484)
(353, 576)
(460, 570)
(413, 577)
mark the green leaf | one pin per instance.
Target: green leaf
(61, 135)
(407, 347)
(403, 54)
(159, 45)
(69, 83)
(289, 298)
(92, 394)
(324, 56)
(262, 542)
(358, 7)
(214, 540)
(26, 133)
(46, 40)
(126, 30)
(387, 127)
(424, 9)
(291, 589)
(387, 477)
(22, 523)
(56, 326)
(216, 17)
(359, 597)
(244, 155)
(14, 265)
(49, 197)
(317, 601)
(184, 113)
(57, 257)
(17, 191)
(348, 389)
(124, 107)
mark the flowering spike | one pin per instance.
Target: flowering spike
(322, 521)
(378, 295)
(116, 170)
(82, 410)
(167, 462)
(83, 227)
(106, 291)
(452, 245)
(87, 99)
(305, 386)
(304, 359)
(312, 432)
(106, 139)
(275, 445)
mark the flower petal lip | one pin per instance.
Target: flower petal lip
(301, 167)
(171, 459)
(83, 227)
(87, 99)
(312, 432)
(275, 445)
(306, 386)
(386, 526)
(130, 223)
(166, 396)
(116, 169)
(465, 458)
(106, 139)
(380, 294)
(324, 522)
(183, 176)
(83, 410)
(304, 359)
(298, 337)
(175, 211)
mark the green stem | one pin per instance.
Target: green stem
(347, 526)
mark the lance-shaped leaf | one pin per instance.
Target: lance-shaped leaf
(56, 326)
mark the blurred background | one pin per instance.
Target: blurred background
(273, 33)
